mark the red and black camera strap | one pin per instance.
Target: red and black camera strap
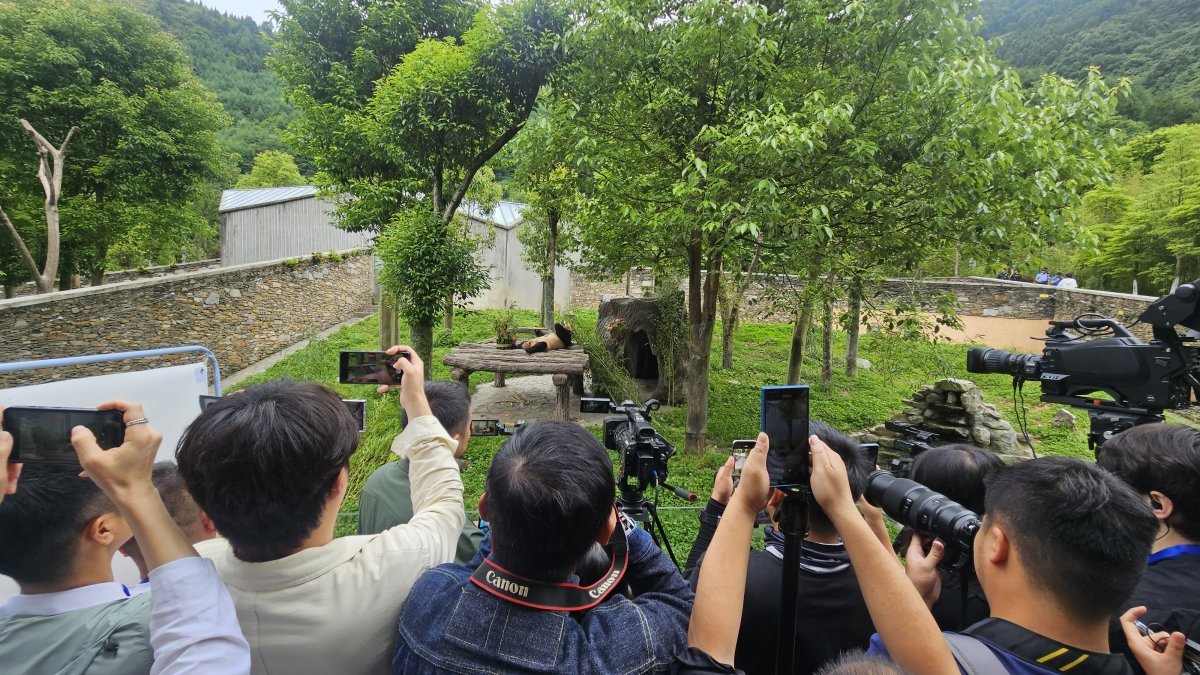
(519, 590)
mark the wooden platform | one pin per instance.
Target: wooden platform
(566, 365)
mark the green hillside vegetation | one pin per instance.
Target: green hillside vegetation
(229, 56)
(1156, 43)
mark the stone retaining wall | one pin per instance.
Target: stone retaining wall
(243, 313)
(974, 296)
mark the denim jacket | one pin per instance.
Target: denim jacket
(449, 625)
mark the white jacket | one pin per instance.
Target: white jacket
(333, 609)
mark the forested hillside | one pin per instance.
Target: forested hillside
(1154, 42)
(229, 55)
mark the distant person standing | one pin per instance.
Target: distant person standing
(1016, 276)
(1068, 281)
(1056, 279)
(1042, 277)
(1003, 275)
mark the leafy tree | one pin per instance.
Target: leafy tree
(145, 148)
(849, 140)
(272, 168)
(550, 186)
(402, 103)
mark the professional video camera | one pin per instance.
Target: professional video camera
(1102, 356)
(643, 455)
(928, 512)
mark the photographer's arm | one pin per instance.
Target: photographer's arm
(901, 617)
(10, 472)
(193, 625)
(711, 516)
(717, 612)
(437, 489)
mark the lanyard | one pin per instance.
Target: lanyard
(1174, 552)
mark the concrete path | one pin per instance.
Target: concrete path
(528, 398)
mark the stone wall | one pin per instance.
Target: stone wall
(244, 314)
(28, 288)
(588, 293)
(975, 296)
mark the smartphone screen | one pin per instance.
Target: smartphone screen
(44, 434)
(871, 452)
(358, 408)
(785, 421)
(485, 427)
(368, 368)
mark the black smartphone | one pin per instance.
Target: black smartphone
(485, 427)
(44, 434)
(785, 421)
(369, 367)
(358, 408)
(871, 452)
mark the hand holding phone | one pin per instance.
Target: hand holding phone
(41, 434)
(127, 468)
(378, 368)
(785, 421)
(9, 473)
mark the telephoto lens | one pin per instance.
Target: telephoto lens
(985, 360)
(929, 513)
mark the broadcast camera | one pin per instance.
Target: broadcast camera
(643, 455)
(1141, 379)
(912, 504)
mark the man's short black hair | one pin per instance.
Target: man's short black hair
(41, 524)
(1082, 535)
(550, 490)
(958, 471)
(1164, 458)
(262, 463)
(450, 403)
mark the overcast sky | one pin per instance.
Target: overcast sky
(255, 9)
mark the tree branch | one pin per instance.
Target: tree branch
(25, 254)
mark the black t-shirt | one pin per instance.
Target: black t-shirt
(1170, 591)
(831, 615)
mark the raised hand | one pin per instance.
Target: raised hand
(754, 489)
(9, 473)
(124, 470)
(723, 483)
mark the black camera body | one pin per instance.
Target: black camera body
(910, 503)
(643, 451)
(1141, 379)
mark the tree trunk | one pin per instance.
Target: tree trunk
(551, 263)
(96, 275)
(421, 339)
(387, 327)
(448, 319)
(800, 329)
(827, 344)
(66, 270)
(50, 174)
(1178, 274)
(852, 331)
(956, 259)
(10, 290)
(729, 324)
(702, 301)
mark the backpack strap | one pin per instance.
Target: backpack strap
(973, 656)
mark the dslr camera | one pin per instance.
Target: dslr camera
(910, 503)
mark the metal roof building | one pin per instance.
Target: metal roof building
(262, 224)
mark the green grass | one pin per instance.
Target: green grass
(760, 358)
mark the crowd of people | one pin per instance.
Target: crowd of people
(1043, 277)
(1077, 566)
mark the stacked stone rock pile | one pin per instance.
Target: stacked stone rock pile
(954, 409)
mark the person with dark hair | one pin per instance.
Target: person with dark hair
(549, 497)
(58, 534)
(895, 606)
(958, 471)
(1060, 549)
(1161, 462)
(182, 509)
(386, 499)
(831, 614)
(270, 468)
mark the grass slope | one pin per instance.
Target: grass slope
(761, 353)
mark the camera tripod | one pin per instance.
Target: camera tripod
(636, 507)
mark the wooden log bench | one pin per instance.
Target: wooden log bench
(566, 365)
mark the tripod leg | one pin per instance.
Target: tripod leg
(656, 523)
